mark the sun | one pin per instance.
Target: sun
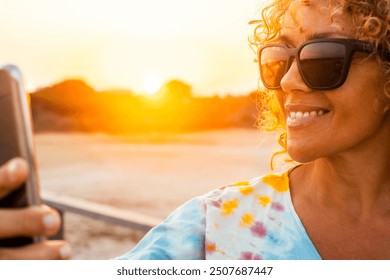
(151, 83)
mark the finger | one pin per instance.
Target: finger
(12, 174)
(46, 250)
(29, 221)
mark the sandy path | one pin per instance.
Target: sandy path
(150, 173)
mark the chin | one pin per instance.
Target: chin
(301, 154)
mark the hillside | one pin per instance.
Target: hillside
(73, 105)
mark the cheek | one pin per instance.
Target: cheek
(359, 120)
(356, 113)
(354, 119)
(358, 100)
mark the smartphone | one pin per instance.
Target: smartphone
(16, 140)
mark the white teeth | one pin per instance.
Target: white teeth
(293, 115)
(300, 115)
(298, 118)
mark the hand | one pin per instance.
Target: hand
(29, 221)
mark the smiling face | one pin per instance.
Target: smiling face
(325, 123)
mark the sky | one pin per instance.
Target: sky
(132, 44)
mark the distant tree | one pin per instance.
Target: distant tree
(176, 90)
(73, 105)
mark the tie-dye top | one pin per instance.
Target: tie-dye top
(249, 220)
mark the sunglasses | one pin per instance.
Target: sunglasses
(322, 63)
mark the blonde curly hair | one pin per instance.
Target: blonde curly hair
(372, 18)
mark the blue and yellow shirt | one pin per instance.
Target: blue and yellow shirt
(248, 220)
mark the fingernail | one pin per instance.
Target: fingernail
(65, 252)
(12, 169)
(50, 221)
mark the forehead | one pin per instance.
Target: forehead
(305, 18)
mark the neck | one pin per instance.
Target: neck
(356, 182)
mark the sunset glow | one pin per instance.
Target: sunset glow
(152, 83)
(116, 43)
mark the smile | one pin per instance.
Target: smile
(297, 118)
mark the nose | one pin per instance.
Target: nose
(292, 80)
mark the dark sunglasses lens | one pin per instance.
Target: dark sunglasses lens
(323, 64)
(273, 63)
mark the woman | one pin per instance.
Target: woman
(336, 205)
(333, 94)
(341, 193)
(333, 99)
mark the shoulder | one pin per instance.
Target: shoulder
(276, 184)
(250, 219)
(257, 195)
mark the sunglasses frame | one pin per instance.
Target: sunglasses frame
(351, 46)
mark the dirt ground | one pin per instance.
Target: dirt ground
(150, 173)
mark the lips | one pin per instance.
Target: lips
(298, 115)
